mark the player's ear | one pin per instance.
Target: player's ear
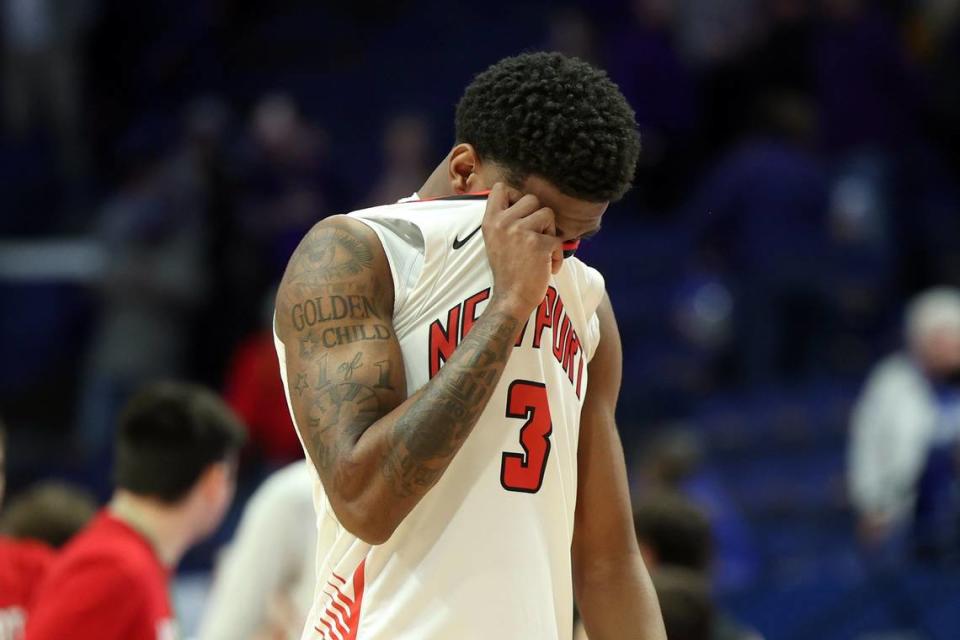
(462, 169)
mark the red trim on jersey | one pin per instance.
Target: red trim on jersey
(323, 634)
(345, 621)
(570, 247)
(460, 196)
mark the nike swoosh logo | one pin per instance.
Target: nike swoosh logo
(458, 243)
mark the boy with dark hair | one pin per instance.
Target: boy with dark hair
(23, 564)
(672, 530)
(686, 603)
(50, 512)
(177, 449)
(676, 539)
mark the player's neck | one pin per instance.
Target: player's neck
(164, 527)
(437, 185)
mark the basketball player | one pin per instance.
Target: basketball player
(453, 372)
(175, 472)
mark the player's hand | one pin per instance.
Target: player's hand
(523, 249)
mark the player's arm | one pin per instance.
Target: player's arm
(612, 587)
(376, 453)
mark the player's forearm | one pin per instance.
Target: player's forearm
(396, 461)
(617, 601)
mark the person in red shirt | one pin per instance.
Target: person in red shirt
(22, 566)
(175, 475)
(255, 392)
(34, 525)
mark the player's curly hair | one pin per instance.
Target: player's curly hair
(556, 117)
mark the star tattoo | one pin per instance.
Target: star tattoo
(302, 384)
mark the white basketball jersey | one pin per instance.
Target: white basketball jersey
(486, 552)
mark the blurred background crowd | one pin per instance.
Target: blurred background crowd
(782, 272)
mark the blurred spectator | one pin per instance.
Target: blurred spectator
(42, 66)
(263, 587)
(50, 512)
(643, 59)
(685, 602)
(228, 263)
(284, 184)
(869, 92)
(255, 392)
(406, 147)
(152, 232)
(672, 531)
(672, 462)
(761, 215)
(32, 528)
(175, 474)
(702, 318)
(675, 535)
(23, 564)
(905, 435)
(688, 610)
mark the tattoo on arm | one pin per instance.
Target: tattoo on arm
(347, 368)
(333, 254)
(431, 431)
(331, 300)
(302, 384)
(383, 381)
(338, 409)
(334, 312)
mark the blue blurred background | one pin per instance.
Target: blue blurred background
(798, 185)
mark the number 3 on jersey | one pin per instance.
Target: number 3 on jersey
(524, 471)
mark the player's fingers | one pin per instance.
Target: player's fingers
(499, 198)
(542, 221)
(549, 243)
(513, 195)
(522, 208)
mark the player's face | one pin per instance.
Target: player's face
(576, 219)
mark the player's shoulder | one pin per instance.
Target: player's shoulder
(424, 211)
(584, 271)
(588, 281)
(334, 248)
